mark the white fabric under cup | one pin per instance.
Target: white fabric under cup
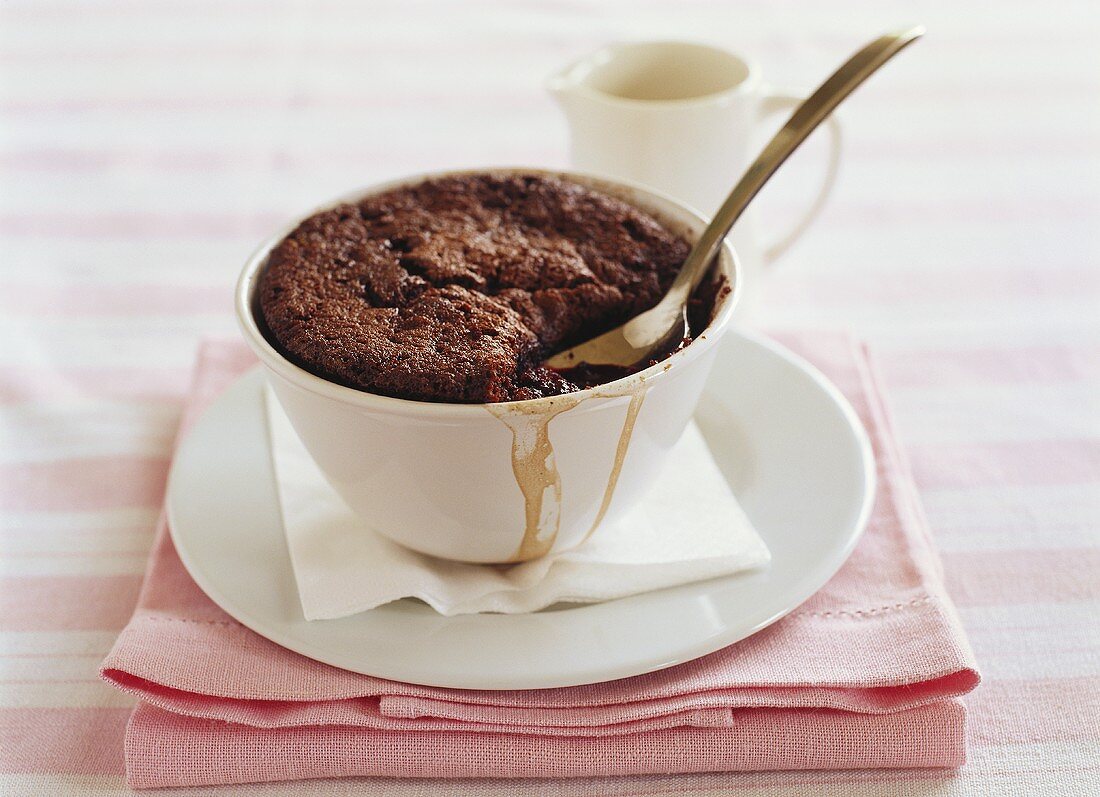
(687, 527)
(462, 481)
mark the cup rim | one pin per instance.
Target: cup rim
(677, 213)
(567, 79)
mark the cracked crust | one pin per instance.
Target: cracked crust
(454, 289)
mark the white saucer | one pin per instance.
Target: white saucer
(789, 443)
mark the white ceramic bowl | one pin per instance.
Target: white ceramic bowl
(496, 482)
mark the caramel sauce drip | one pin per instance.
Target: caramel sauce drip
(537, 474)
(625, 436)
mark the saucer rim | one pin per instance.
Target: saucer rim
(441, 669)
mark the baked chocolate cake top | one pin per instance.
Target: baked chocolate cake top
(454, 289)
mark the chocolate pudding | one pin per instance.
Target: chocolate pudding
(455, 289)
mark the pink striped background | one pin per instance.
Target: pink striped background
(146, 147)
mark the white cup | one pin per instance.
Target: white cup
(496, 482)
(680, 117)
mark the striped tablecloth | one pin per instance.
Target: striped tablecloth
(145, 147)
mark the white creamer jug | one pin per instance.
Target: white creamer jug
(680, 117)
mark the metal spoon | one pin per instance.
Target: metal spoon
(662, 328)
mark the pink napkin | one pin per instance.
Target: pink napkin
(867, 673)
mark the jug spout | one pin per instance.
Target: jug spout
(567, 91)
(634, 109)
(589, 110)
(604, 131)
(560, 86)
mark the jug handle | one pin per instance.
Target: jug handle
(775, 101)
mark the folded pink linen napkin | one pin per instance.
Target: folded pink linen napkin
(867, 673)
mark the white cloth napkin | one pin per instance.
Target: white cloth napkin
(689, 527)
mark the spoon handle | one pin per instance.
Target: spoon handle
(803, 121)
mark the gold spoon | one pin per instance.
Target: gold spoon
(662, 328)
